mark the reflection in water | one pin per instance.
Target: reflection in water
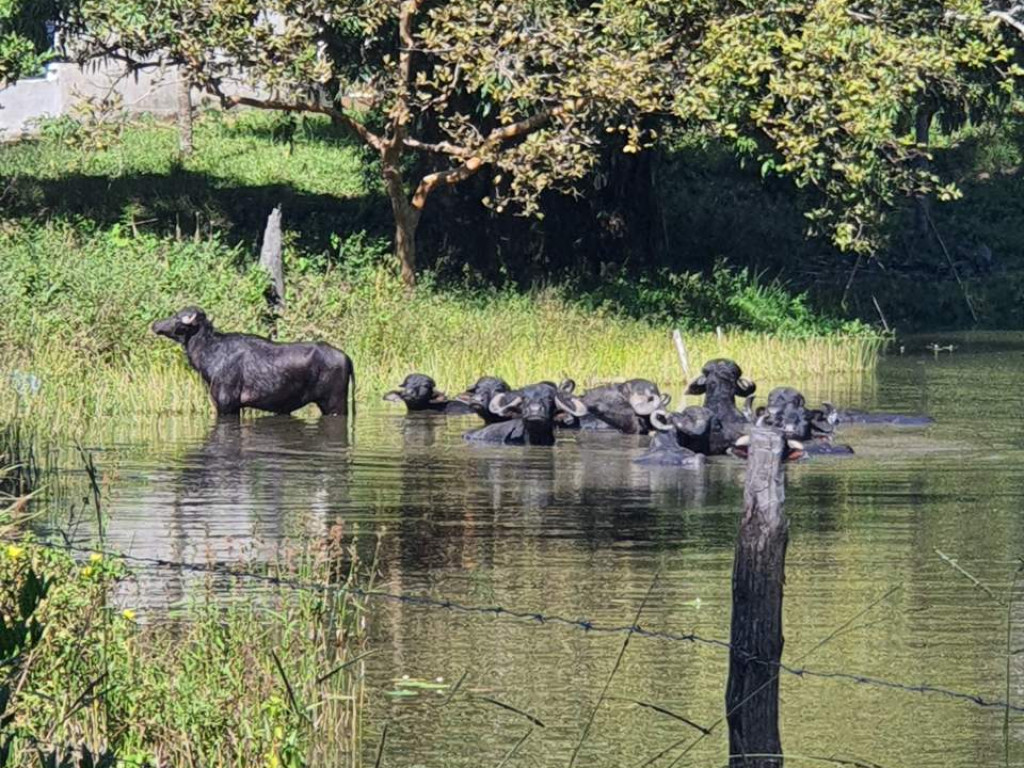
(580, 531)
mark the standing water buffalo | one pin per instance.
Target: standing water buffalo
(244, 371)
(537, 408)
(419, 393)
(626, 407)
(721, 382)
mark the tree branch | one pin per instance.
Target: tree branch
(473, 164)
(350, 122)
(1006, 18)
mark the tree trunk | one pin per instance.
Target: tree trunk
(922, 208)
(184, 114)
(752, 694)
(407, 216)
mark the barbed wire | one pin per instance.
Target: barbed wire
(587, 625)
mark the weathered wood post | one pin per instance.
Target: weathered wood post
(752, 694)
(271, 257)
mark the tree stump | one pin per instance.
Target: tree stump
(271, 258)
(752, 694)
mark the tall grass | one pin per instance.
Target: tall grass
(272, 677)
(81, 306)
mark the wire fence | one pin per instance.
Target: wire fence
(536, 618)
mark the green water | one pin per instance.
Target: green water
(579, 531)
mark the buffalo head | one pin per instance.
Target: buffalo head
(417, 391)
(721, 378)
(183, 325)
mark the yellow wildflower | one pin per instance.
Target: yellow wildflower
(95, 557)
(129, 614)
(14, 552)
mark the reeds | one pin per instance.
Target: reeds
(389, 337)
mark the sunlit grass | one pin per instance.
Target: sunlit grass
(389, 337)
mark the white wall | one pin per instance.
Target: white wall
(151, 91)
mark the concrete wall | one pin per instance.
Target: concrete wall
(65, 85)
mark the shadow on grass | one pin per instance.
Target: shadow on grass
(186, 202)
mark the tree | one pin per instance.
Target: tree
(828, 93)
(24, 37)
(438, 91)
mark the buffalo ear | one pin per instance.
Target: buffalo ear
(698, 386)
(394, 396)
(571, 404)
(745, 387)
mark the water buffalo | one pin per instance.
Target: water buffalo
(787, 410)
(419, 393)
(683, 438)
(721, 382)
(479, 396)
(537, 407)
(852, 416)
(244, 371)
(808, 431)
(626, 407)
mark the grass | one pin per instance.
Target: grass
(82, 305)
(270, 677)
(106, 231)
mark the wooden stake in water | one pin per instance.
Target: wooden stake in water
(752, 693)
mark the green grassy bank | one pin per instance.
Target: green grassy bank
(101, 238)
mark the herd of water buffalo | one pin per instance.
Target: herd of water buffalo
(246, 371)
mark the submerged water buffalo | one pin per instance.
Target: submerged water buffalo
(853, 416)
(626, 407)
(683, 438)
(419, 393)
(808, 431)
(245, 371)
(721, 382)
(478, 398)
(536, 408)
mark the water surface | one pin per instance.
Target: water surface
(579, 531)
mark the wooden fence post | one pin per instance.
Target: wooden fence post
(752, 694)
(271, 257)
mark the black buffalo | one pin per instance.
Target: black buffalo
(721, 382)
(419, 392)
(478, 398)
(244, 371)
(852, 416)
(683, 438)
(787, 410)
(808, 431)
(626, 407)
(536, 409)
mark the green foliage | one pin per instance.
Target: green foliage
(23, 36)
(824, 94)
(85, 669)
(726, 298)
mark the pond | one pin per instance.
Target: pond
(581, 532)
